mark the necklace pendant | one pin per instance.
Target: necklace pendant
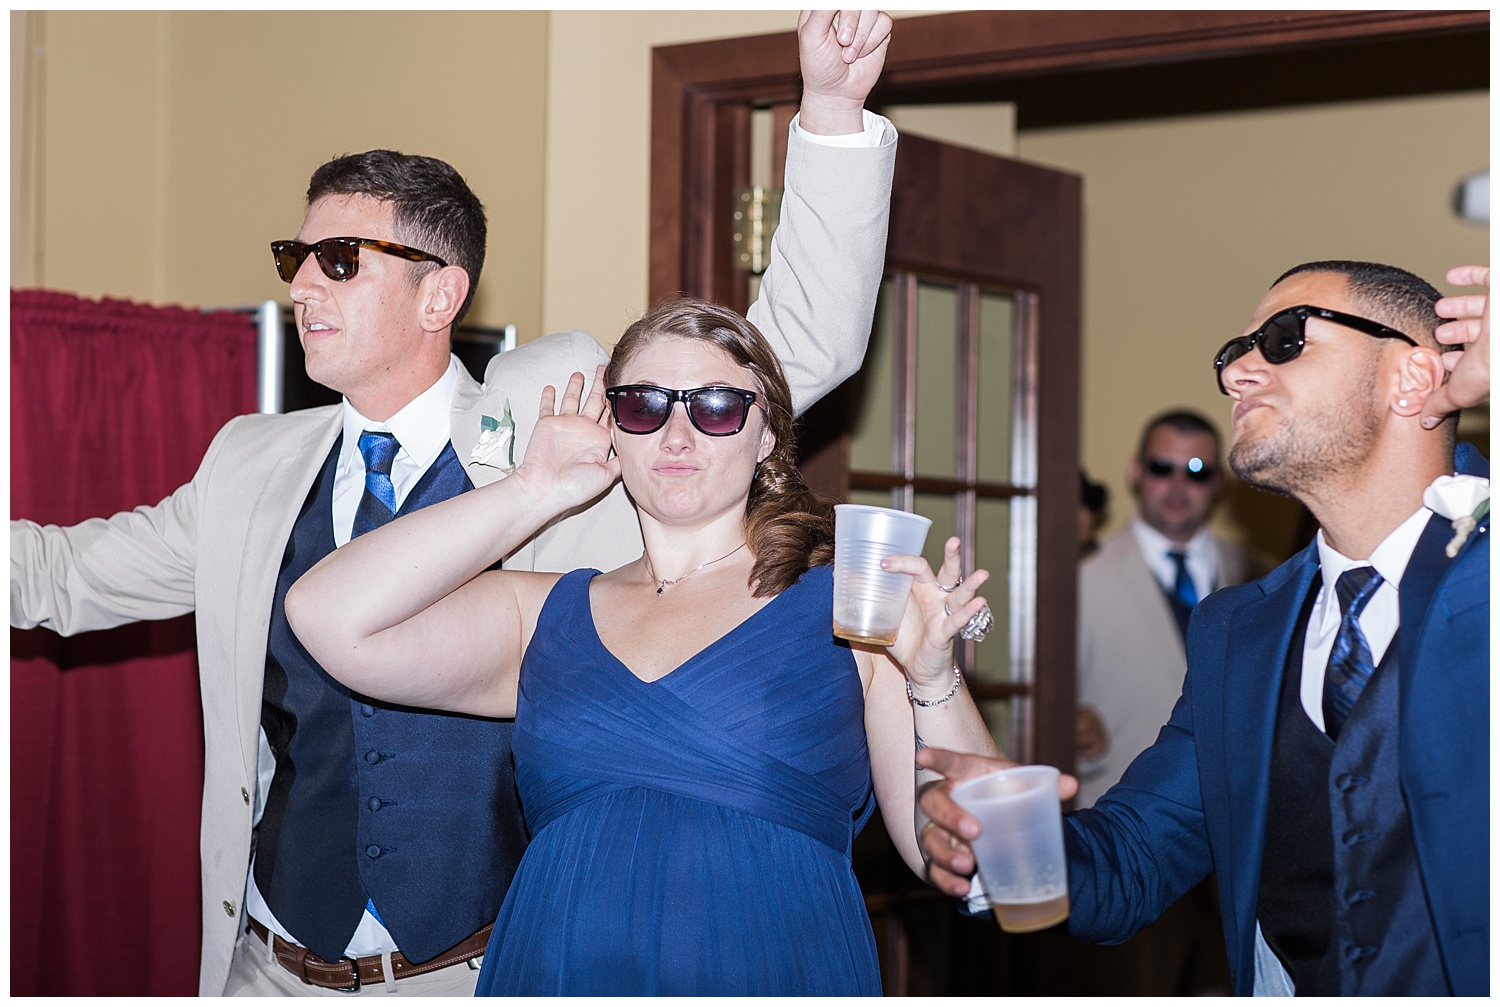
(660, 588)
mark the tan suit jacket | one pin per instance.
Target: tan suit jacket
(214, 547)
(1131, 659)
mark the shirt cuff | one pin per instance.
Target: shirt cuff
(869, 137)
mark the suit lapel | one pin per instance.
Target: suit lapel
(1255, 661)
(465, 419)
(272, 510)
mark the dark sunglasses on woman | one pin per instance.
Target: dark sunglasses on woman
(717, 410)
(339, 257)
(1282, 337)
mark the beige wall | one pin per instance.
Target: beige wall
(598, 155)
(1187, 221)
(174, 145)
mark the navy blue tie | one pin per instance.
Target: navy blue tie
(1350, 665)
(378, 505)
(1184, 596)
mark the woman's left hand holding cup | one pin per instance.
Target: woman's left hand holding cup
(940, 605)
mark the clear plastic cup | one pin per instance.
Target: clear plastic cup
(868, 601)
(1019, 852)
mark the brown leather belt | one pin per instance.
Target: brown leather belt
(349, 974)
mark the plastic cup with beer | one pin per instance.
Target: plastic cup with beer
(867, 601)
(1019, 851)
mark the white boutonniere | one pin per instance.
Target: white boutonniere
(1464, 500)
(496, 438)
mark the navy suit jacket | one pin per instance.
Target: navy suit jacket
(1195, 802)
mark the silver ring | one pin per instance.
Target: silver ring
(950, 590)
(979, 627)
(947, 611)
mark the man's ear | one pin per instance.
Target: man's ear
(1133, 474)
(444, 291)
(1419, 374)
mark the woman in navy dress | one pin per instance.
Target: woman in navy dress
(695, 751)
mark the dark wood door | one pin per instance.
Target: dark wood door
(966, 410)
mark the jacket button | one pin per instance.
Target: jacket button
(229, 909)
(366, 709)
(372, 851)
(1356, 952)
(246, 795)
(375, 804)
(372, 756)
(1351, 839)
(1348, 781)
(1357, 896)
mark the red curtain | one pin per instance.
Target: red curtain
(112, 406)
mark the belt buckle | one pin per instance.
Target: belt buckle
(354, 969)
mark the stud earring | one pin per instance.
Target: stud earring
(1401, 403)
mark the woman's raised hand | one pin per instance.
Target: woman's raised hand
(940, 605)
(568, 458)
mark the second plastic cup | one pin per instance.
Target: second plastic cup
(868, 601)
(1019, 851)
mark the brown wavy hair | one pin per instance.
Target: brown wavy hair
(789, 527)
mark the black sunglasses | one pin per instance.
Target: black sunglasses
(1282, 337)
(1196, 470)
(718, 410)
(339, 257)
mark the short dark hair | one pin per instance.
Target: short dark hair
(434, 208)
(1392, 295)
(1094, 496)
(1184, 421)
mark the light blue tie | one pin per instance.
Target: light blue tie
(378, 504)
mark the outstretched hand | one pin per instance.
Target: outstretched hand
(842, 54)
(568, 456)
(1469, 365)
(945, 839)
(939, 606)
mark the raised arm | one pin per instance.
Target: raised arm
(817, 297)
(939, 711)
(405, 613)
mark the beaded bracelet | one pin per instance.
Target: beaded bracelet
(958, 679)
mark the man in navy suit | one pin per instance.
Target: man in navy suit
(1329, 756)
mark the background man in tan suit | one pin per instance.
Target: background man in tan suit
(422, 804)
(1134, 598)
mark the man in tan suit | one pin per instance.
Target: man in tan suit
(1134, 598)
(384, 838)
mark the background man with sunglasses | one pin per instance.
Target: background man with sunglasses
(1136, 593)
(386, 838)
(1329, 756)
(1135, 596)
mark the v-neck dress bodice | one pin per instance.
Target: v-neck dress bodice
(690, 835)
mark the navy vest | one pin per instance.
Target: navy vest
(1341, 899)
(417, 811)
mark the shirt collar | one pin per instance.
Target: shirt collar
(1154, 543)
(423, 426)
(1389, 559)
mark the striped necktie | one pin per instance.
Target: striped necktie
(1350, 665)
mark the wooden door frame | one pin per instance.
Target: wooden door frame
(699, 89)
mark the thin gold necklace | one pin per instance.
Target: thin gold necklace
(664, 583)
